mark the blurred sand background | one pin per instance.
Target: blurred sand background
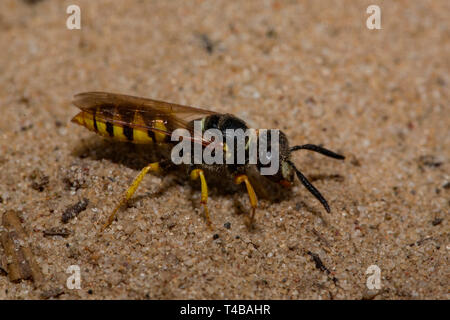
(310, 68)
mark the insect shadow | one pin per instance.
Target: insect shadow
(136, 157)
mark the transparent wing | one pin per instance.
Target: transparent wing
(121, 110)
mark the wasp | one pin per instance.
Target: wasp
(146, 121)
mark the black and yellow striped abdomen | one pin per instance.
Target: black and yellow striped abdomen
(129, 126)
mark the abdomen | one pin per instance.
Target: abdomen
(123, 126)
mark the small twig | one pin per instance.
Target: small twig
(21, 263)
(320, 265)
(74, 210)
(62, 232)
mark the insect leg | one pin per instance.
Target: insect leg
(195, 174)
(129, 193)
(251, 194)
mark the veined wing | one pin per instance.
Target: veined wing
(132, 118)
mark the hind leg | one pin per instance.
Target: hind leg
(154, 167)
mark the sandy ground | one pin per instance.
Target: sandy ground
(312, 69)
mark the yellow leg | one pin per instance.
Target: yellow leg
(251, 194)
(129, 193)
(195, 174)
